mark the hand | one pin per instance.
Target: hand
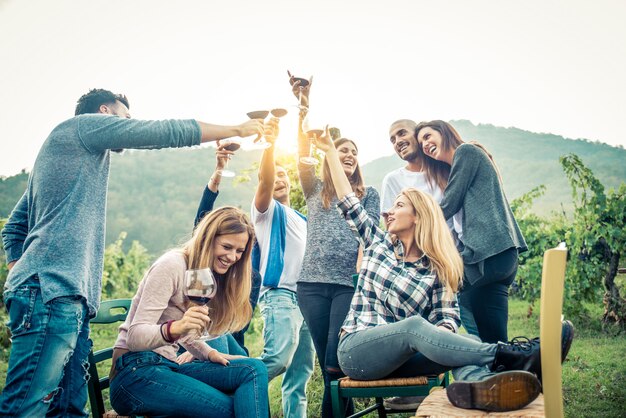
(186, 357)
(325, 142)
(301, 93)
(251, 127)
(222, 156)
(272, 130)
(195, 320)
(220, 358)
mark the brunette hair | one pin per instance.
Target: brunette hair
(230, 308)
(450, 139)
(91, 102)
(356, 179)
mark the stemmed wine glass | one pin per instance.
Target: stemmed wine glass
(312, 134)
(229, 144)
(200, 287)
(259, 114)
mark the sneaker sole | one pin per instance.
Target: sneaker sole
(505, 391)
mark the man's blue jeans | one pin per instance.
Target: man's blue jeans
(48, 364)
(149, 384)
(288, 348)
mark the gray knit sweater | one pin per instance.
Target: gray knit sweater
(489, 227)
(57, 229)
(331, 247)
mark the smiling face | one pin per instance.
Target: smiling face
(401, 136)
(282, 185)
(227, 250)
(432, 144)
(348, 157)
(400, 219)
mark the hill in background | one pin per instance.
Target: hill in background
(153, 195)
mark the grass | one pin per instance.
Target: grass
(594, 376)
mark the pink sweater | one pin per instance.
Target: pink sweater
(159, 298)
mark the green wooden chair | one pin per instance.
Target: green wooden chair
(379, 389)
(110, 311)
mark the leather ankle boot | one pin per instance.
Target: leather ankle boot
(505, 391)
(518, 354)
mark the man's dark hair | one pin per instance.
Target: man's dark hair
(91, 102)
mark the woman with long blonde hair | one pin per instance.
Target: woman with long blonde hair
(405, 306)
(148, 375)
(331, 256)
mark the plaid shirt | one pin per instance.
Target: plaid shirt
(389, 289)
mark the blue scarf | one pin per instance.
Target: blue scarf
(276, 256)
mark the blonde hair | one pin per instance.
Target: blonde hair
(230, 309)
(356, 179)
(433, 238)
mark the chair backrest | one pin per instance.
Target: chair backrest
(552, 284)
(110, 311)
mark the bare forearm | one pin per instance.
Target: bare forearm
(212, 132)
(342, 185)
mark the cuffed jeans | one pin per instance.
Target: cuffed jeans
(47, 374)
(149, 384)
(360, 352)
(288, 348)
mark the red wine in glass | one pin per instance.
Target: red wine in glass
(200, 287)
(233, 146)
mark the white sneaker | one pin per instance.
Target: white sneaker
(403, 403)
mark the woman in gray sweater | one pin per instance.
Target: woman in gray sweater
(491, 238)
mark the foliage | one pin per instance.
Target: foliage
(123, 270)
(597, 237)
(540, 234)
(11, 189)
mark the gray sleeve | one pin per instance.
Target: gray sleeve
(462, 174)
(372, 204)
(15, 230)
(101, 132)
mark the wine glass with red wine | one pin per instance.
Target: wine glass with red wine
(229, 144)
(200, 287)
(261, 143)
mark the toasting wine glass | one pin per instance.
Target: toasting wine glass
(262, 143)
(229, 144)
(312, 134)
(200, 287)
(303, 83)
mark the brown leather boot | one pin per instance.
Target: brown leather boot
(506, 391)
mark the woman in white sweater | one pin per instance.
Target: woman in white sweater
(148, 375)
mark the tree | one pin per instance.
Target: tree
(123, 271)
(597, 235)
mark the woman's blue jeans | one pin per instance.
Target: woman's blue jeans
(47, 374)
(149, 384)
(377, 352)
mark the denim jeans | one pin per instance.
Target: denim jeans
(149, 384)
(360, 352)
(485, 303)
(47, 374)
(324, 307)
(288, 348)
(227, 344)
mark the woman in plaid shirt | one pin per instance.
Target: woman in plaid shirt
(405, 306)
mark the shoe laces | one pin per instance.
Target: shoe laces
(521, 343)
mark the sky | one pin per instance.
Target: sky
(538, 65)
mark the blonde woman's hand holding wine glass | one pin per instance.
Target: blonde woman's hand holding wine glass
(194, 321)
